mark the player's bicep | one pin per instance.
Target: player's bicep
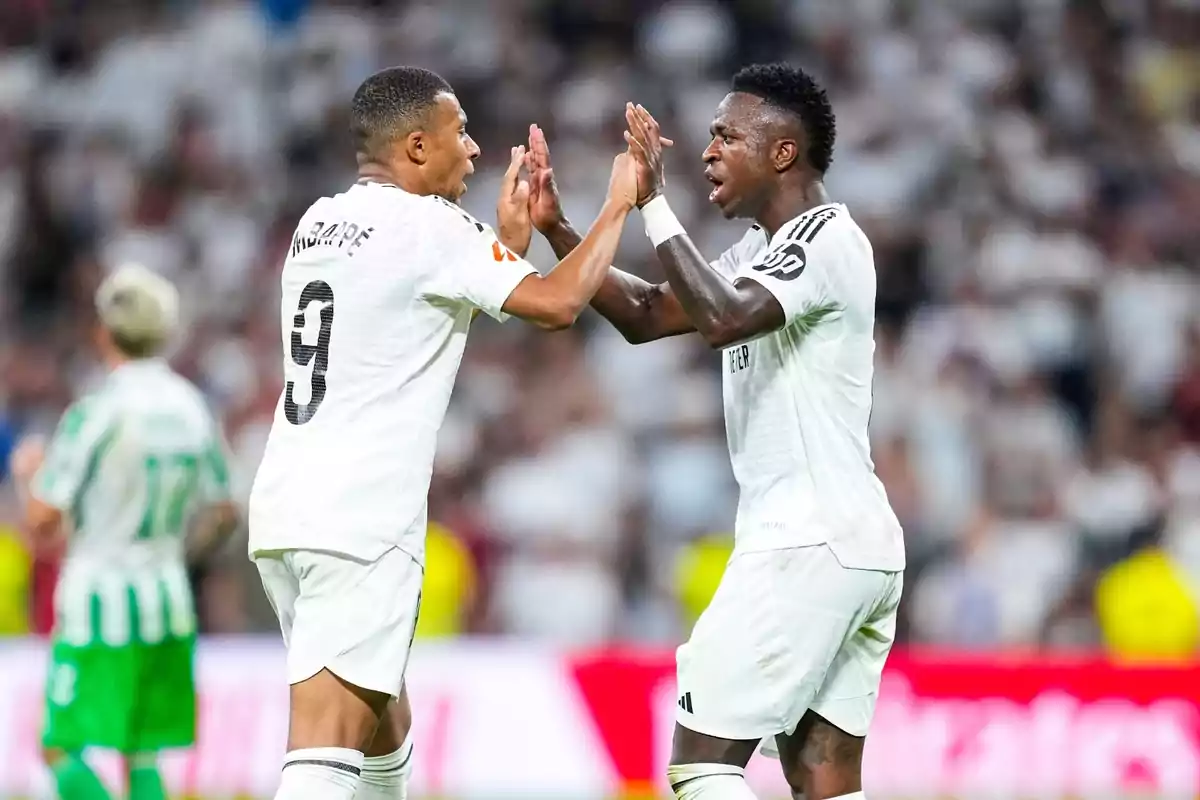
(669, 316)
(534, 300)
(792, 276)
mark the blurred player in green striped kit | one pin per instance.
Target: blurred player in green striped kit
(132, 468)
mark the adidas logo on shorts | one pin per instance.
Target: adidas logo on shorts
(685, 702)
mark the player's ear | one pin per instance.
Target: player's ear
(416, 147)
(786, 151)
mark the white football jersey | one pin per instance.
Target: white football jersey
(798, 401)
(379, 289)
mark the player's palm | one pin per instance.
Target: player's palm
(623, 184)
(545, 204)
(646, 144)
(513, 225)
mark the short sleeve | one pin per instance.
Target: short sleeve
(729, 262)
(84, 434)
(796, 268)
(213, 474)
(471, 266)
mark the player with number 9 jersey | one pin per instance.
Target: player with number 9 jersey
(379, 289)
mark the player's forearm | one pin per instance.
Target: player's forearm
(42, 525)
(638, 309)
(214, 527)
(563, 239)
(582, 271)
(517, 241)
(714, 305)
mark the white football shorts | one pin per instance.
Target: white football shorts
(787, 631)
(353, 617)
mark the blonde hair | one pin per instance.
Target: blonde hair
(139, 308)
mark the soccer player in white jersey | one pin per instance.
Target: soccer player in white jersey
(131, 468)
(379, 290)
(791, 649)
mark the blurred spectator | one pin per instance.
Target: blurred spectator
(14, 583)
(698, 571)
(1147, 610)
(449, 587)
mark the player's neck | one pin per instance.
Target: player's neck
(114, 362)
(791, 202)
(376, 173)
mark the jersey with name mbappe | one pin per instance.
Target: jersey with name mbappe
(379, 289)
(798, 400)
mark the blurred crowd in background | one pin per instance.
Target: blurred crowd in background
(1028, 172)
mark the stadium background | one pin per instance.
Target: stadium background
(1029, 174)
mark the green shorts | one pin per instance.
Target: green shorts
(135, 698)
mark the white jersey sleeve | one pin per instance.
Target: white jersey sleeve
(85, 431)
(213, 476)
(744, 250)
(800, 267)
(473, 267)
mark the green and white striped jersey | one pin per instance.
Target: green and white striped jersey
(129, 466)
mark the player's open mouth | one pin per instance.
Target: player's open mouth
(717, 184)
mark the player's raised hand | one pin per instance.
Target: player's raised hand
(545, 205)
(623, 185)
(513, 226)
(646, 143)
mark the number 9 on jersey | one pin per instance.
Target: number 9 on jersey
(304, 355)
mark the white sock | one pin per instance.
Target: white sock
(386, 777)
(320, 773)
(709, 782)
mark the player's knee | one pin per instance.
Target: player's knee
(329, 712)
(822, 761)
(393, 728)
(708, 782)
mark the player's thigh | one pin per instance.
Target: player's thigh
(393, 727)
(354, 618)
(328, 711)
(761, 649)
(820, 760)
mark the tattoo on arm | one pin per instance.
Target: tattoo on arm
(641, 311)
(724, 312)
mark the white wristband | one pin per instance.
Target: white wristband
(660, 221)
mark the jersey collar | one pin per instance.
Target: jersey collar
(140, 365)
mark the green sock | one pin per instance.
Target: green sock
(76, 781)
(144, 781)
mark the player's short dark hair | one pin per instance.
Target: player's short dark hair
(392, 103)
(794, 90)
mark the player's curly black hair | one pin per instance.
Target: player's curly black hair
(391, 103)
(792, 89)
